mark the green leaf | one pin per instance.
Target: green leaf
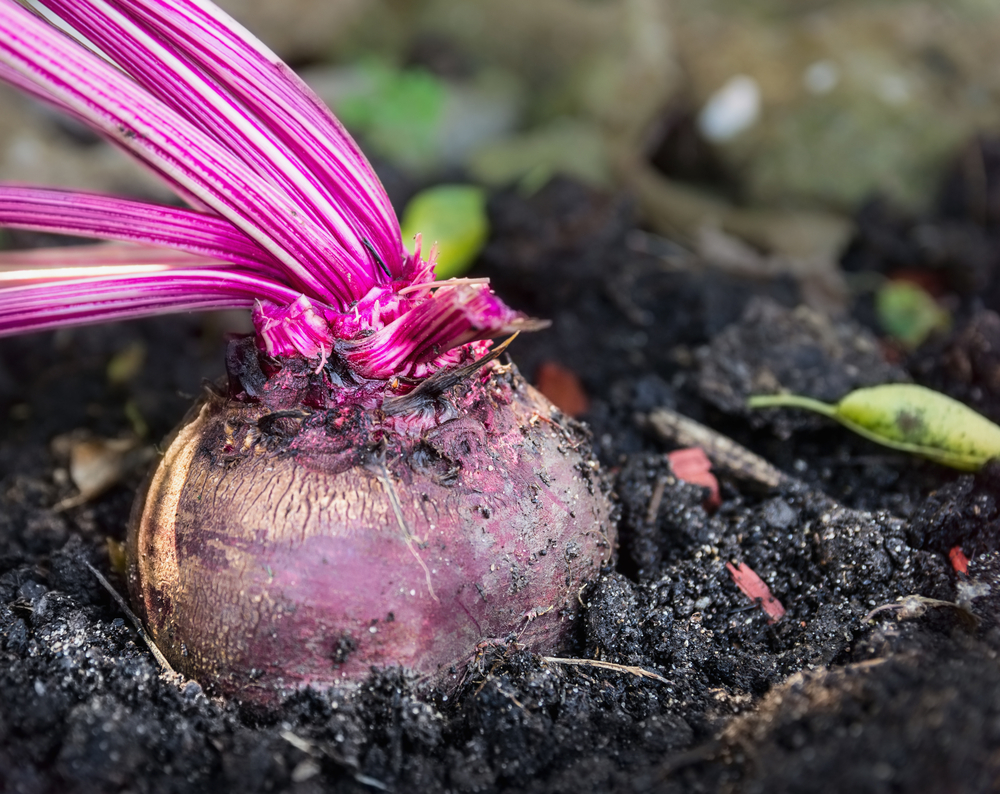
(908, 313)
(454, 217)
(909, 418)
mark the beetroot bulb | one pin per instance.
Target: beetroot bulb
(371, 486)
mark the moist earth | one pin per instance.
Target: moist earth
(676, 681)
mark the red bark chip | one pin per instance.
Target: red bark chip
(563, 387)
(692, 465)
(958, 560)
(754, 588)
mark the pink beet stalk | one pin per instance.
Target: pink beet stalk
(282, 191)
(372, 487)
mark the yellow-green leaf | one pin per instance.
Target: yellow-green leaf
(910, 418)
(453, 217)
(908, 313)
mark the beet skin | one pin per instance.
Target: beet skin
(291, 537)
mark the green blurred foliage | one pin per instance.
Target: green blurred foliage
(453, 217)
(908, 313)
(398, 113)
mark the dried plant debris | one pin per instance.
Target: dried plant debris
(97, 464)
(675, 428)
(756, 589)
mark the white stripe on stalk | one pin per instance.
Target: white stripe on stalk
(93, 215)
(51, 274)
(173, 81)
(43, 11)
(123, 111)
(90, 300)
(116, 253)
(236, 58)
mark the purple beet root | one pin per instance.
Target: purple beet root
(294, 535)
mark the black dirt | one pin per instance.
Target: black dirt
(677, 681)
(799, 351)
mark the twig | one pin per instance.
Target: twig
(654, 501)
(618, 668)
(157, 653)
(725, 453)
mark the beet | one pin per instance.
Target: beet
(292, 540)
(373, 489)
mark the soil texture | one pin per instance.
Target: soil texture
(880, 675)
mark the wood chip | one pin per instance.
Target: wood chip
(563, 388)
(756, 589)
(692, 465)
(958, 560)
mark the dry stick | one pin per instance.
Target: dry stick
(618, 668)
(157, 653)
(725, 453)
(654, 502)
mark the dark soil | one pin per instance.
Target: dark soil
(824, 699)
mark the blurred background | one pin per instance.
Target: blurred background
(769, 120)
(793, 103)
(757, 134)
(789, 101)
